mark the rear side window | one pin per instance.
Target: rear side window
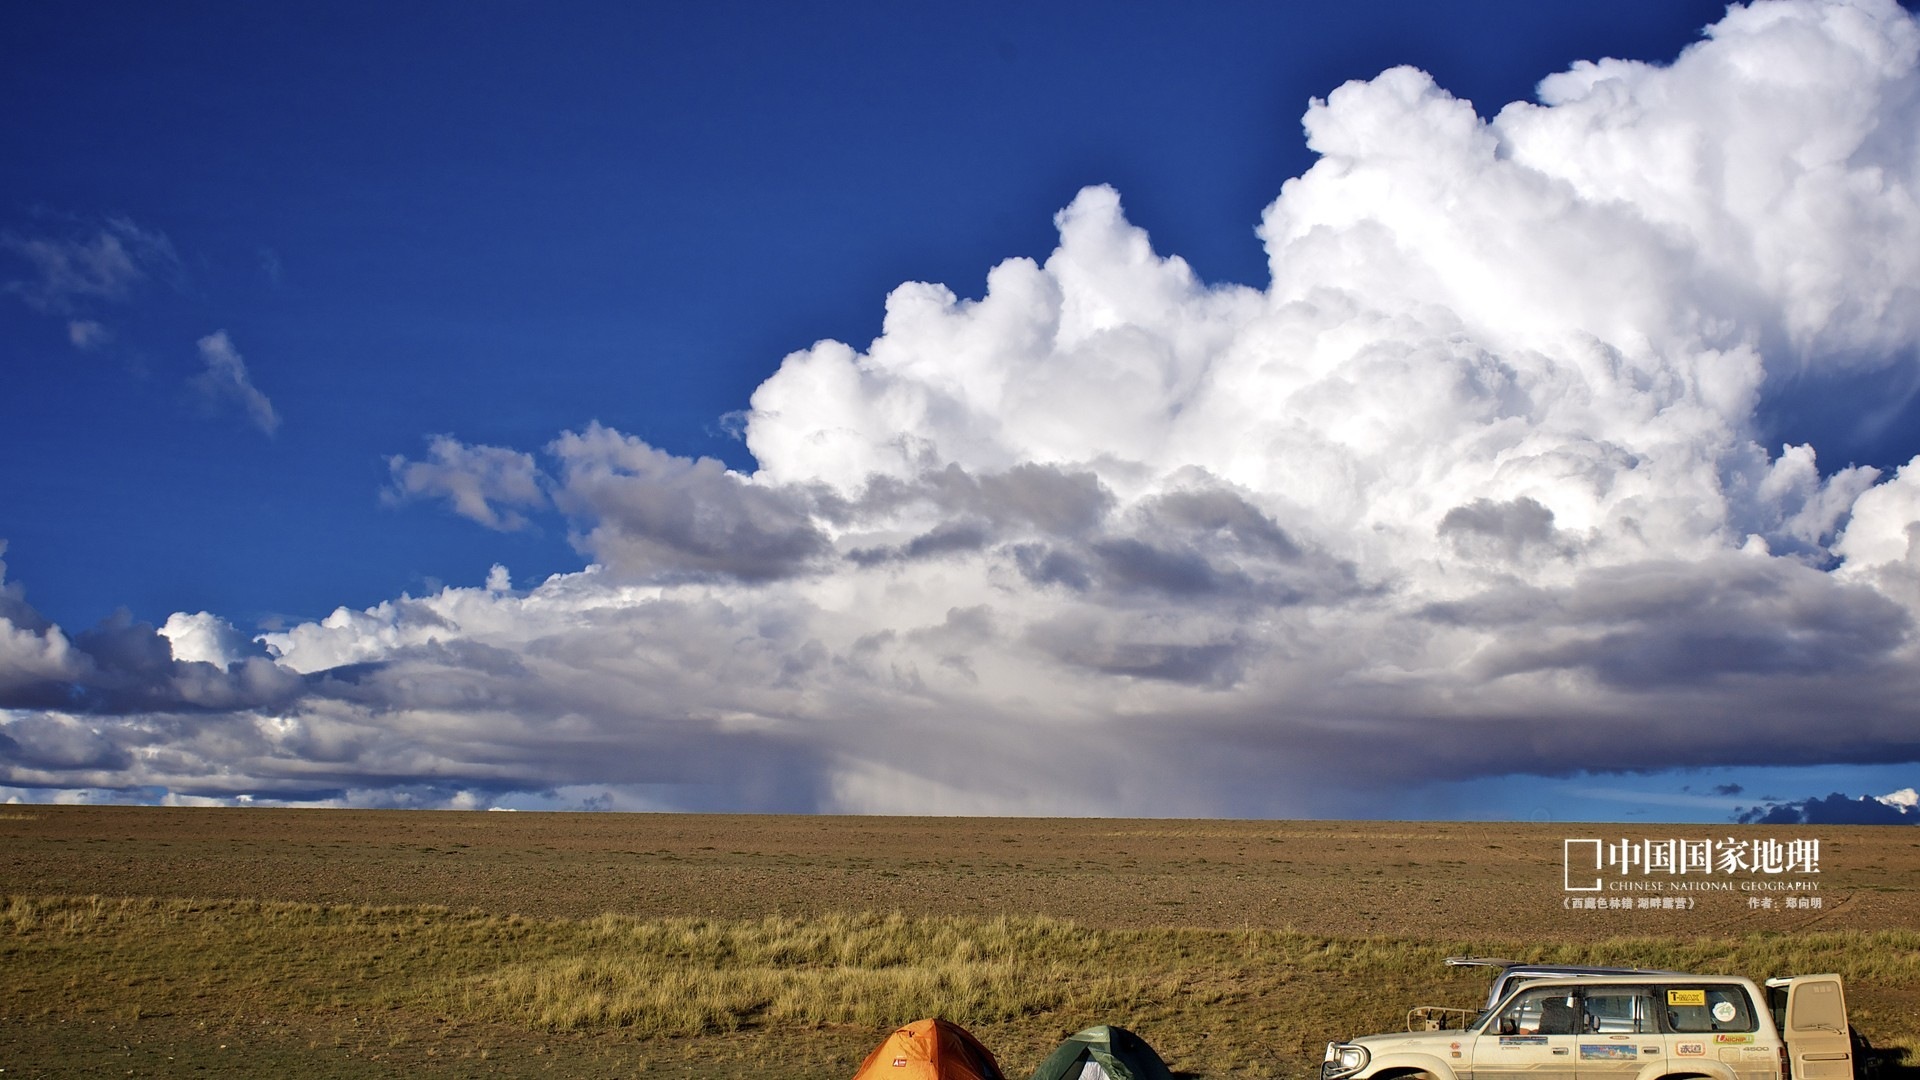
(1700, 1009)
(1616, 1010)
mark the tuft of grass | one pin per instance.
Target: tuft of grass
(684, 977)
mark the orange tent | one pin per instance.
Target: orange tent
(930, 1050)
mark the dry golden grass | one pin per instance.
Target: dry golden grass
(649, 993)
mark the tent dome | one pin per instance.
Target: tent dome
(930, 1050)
(1103, 1053)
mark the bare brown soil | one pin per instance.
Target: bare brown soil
(1429, 880)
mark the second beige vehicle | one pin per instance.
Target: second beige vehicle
(1645, 1026)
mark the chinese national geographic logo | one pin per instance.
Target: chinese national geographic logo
(1677, 865)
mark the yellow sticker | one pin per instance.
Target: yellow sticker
(1686, 997)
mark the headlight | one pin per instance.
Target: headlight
(1343, 1060)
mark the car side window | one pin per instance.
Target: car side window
(1701, 1009)
(1616, 1010)
(1541, 1011)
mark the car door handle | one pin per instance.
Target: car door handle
(1560, 1051)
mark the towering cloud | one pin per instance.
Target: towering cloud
(1472, 488)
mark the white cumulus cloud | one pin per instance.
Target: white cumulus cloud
(203, 637)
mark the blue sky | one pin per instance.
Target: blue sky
(344, 307)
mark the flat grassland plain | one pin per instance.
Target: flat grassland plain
(139, 941)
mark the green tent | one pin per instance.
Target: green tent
(1103, 1053)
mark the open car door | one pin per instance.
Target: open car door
(1811, 1013)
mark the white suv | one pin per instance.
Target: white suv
(1646, 1026)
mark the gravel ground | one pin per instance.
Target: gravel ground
(1426, 879)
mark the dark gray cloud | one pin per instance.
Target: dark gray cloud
(14, 607)
(1668, 624)
(1507, 530)
(1226, 517)
(1045, 566)
(57, 745)
(1209, 664)
(122, 666)
(526, 720)
(1834, 809)
(1047, 499)
(1143, 649)
(1131, 565)
(946, 538)
(1028, 499)
(1020, 508)
(640, 511)
(659, 517)
(1204, 542)
(1199, 544)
